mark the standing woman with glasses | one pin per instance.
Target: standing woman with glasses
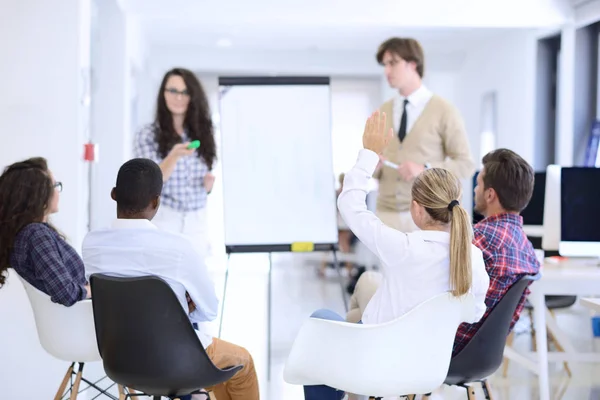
(182, 116)
(28, 242)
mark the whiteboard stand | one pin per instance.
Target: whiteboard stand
(270, 250)
(259, 160)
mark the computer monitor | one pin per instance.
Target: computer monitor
(533, 214)
(580, 211)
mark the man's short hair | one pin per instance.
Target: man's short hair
(510, 176)
(408, 49)
(139, 181)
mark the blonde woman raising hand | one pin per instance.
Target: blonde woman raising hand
(415, 266)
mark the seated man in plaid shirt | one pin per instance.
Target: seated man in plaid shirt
(504, 188)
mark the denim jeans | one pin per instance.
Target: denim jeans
(323, 392)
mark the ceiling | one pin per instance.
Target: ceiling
(442, 26)
(264, 37)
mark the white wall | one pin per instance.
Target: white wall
(441, 81)
(304, 62)
(41, 114)
(118, 56)
(506, 66)
(587, 12)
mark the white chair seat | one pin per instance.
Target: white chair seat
(66, 333)
(409, 355)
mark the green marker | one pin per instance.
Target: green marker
(194, 145)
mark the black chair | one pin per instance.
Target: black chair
(146, 340)
(483, 355)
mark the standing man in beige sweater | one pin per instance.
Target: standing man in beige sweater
(429, 132)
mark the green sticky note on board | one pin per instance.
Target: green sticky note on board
(194, 145)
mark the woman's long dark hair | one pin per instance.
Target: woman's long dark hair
(26, 189)
(198, 123)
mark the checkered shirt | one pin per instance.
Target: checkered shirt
(508, 256)
(184, 190)
(51, 265)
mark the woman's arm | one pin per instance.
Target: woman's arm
(145, 146)
(386, 243)
(167, 166)
(55, 272)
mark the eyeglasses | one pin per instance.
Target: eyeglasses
(176, 92)
(58, 186)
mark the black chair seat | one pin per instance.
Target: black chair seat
(146, 340)
(483, 355)
(554, 302)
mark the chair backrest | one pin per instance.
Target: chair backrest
(410, 354)
(66, 333)
(146, 340)
(484, 353)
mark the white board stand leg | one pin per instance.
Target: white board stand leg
(336, 264)
(269, 300)
(224, 293)
(269, 319)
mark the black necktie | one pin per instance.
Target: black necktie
(402, 130)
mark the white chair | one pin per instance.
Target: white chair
(409, 355)
(68, 334)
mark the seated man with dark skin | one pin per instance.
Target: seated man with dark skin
(134, 246)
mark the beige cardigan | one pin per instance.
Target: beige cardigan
(438, 138)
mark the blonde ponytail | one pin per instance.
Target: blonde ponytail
(437, 190)
(461, 236)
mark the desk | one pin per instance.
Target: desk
(580, 278)
(590, 303)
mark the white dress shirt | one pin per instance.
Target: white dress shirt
(136, 247)
(416, 104)
(415, 266)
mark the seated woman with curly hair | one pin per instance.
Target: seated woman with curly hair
(28, 242)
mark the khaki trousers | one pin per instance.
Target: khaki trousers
(244, 384)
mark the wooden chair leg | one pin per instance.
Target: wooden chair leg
(63, 385)
(559, 347)
(75, 388)
(471, 393)
(509, 342)
(487, 390)
(122, 395)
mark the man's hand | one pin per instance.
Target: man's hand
(409, 170)
(209, 181)
(374, 137)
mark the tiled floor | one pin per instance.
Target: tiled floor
(297, 291)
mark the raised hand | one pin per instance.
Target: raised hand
(375, 138)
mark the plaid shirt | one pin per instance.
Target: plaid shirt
(184, 190)
(51, 265)
(508, 256)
